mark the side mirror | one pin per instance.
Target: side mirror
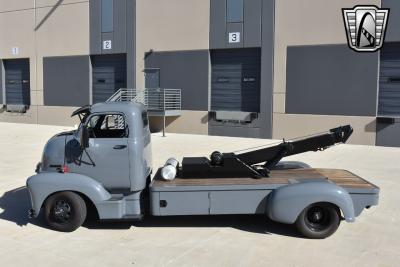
(84, 138)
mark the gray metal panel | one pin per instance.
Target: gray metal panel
(392, 30)
(238, 202)
(66, 81)
(120, 26)
(185, 70)
(252, 23)
(95, 26)
(109, 75)
(235, 80)
(331, 80)
(152, 78)
(267, 68)
(389, 80)
(361, 201)
(17, 81)
(131, 43)
(262, 126)
(1, 82)
(185, 203)
(118, 35)
(234, 28)
(107, 36)
(217, 24)
(388, 134)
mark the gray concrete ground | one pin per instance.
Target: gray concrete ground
(374, 240)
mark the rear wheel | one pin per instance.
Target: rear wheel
(318, 220)
(65, 211)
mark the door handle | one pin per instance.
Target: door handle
(119, 147)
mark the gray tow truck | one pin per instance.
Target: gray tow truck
(105, 166)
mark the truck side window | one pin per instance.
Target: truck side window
(107, 126)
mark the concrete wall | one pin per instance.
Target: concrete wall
(296, 125)
(302, 22)
(170, 26)
(174, 25)
(51, 28)
(189, 122)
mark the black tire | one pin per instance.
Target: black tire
(318, 220)
(65, 211)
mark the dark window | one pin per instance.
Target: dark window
(106, 126)
(106, 15)
(145, 119)
(234, 10)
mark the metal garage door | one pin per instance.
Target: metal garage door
(388, 122)
(235, 80)
(109, 75)
(389, 81)
(17, 81)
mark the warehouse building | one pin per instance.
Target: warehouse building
(250, 68)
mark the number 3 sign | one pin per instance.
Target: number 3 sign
(234, 37)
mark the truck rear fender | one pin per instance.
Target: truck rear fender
(44, 184)
(287, 202)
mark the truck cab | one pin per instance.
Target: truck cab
(110, 151)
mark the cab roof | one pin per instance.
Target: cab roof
(126, 107)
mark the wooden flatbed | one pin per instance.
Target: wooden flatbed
(340, 177)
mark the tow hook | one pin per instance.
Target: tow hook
(31, 213)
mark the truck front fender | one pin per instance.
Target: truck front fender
(44, 184)
(286, 203)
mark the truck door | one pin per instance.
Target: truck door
(107, 158)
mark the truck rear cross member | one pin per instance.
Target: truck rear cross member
(105, 165)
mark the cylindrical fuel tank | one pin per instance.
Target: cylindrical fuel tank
(168, 172)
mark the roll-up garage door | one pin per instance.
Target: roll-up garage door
(109, 75)
(389, 81)
(17, 82)
(235, 80)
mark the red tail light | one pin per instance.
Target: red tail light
(64, 169)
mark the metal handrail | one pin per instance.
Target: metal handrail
(157, 99)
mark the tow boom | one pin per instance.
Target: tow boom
(223, 165)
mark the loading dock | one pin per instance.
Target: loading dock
(109, 75)
(235, 80)
(17, 82)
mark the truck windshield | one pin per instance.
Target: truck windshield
(82, 113)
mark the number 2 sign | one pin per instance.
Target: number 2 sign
(234, 37)
(107, 44)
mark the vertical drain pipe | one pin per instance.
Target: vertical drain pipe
(163, 133)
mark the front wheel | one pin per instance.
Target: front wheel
(65, 211)
(318, 220)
